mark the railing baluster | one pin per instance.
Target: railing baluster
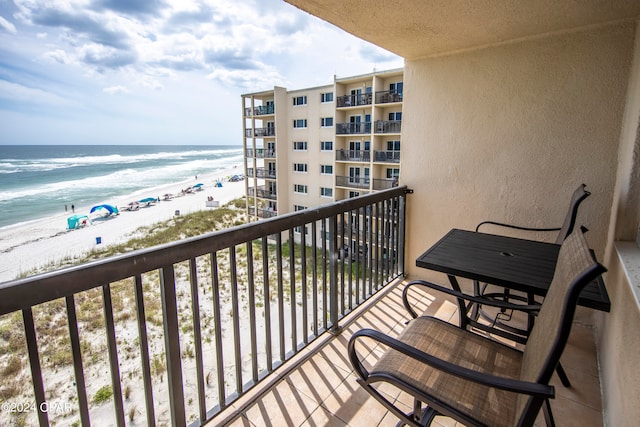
(349, 259)
(34, 362)
(267, 303)
(172, 345)
(342, 250)
(372, 248)
(113, 355)
(235, 314)
(314, 275)
(325, 293)
(358, 257)
(144, 352)
(280, 297)
(303, 257)
(197, 338)
(333, 273)
(222, 400)
(292, 292)
(251, 286)
(402, 232)
(81, 387)
(378, 215)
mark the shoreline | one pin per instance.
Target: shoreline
(37, 243)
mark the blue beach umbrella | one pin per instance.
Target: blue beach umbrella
(148, 200)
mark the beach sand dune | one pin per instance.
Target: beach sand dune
(46, 241)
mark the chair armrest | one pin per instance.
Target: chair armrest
(534, 308)
(517, 227)
(508, 384)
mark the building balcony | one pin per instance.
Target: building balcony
(388, 126)
(352, 181)
(260, 153)
(261, 173)
(262, 213)
(353, 155)
(353, 100)
(388, 96)
(179, 334)
(260, 132)
(353, 128)
(262, 192)
(386, 156)
(259, 111)
(384, 184)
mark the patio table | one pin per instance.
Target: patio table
(513, 263)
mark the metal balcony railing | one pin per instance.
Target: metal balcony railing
(353, 128)
(262, 192)
(352, 181)
(261, 173)
(387, 96)
(388, 126)
(383, 184)
(261, 153)
(190, 326)
(260, 132)
(262, 213)
(354, 100)
(260, 110)
(353, 155)
(386, 156)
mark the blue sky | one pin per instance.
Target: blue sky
(158, 71)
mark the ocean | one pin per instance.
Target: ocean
(37, 181)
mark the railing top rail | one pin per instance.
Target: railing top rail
(27, 292)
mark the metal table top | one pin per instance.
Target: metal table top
(519, 264)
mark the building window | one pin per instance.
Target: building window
(326, 97)
(300, 189)
(326, 146)
(326, 122)
(393, 145)
(300, 123)
(396, 88)
(297, 208)
(393, 173)
(326, 192)
(300, 167)
(300, 145)
(300, 100)
(396, 116)
(326, 169)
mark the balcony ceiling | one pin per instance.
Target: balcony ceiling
(421, 28)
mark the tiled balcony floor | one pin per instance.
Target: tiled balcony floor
(321, 388)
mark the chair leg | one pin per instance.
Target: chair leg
(548, 415)
(563, 376)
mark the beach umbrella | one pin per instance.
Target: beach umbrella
(198, 185)
(148, 200)
(110, 209)
(75, 221)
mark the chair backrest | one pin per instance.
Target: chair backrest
(575, 268)
(572, 214)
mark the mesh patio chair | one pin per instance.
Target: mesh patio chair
(477, 381)
(565, 230)
(569, 223)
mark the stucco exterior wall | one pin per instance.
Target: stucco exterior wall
(508, 132)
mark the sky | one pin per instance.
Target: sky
(159, 71)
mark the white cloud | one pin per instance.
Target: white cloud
(114, 90)
(7, 26)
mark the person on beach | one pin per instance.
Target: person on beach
(73, 208)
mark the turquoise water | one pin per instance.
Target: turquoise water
(37, 181)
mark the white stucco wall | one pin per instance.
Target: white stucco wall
(508, 132)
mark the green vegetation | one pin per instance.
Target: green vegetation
(103, 394)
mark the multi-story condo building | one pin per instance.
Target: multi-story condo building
(312, 146)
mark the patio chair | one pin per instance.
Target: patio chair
(569, 223)
(565, 230)
(471, 378)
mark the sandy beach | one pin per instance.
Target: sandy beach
(26, 246)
